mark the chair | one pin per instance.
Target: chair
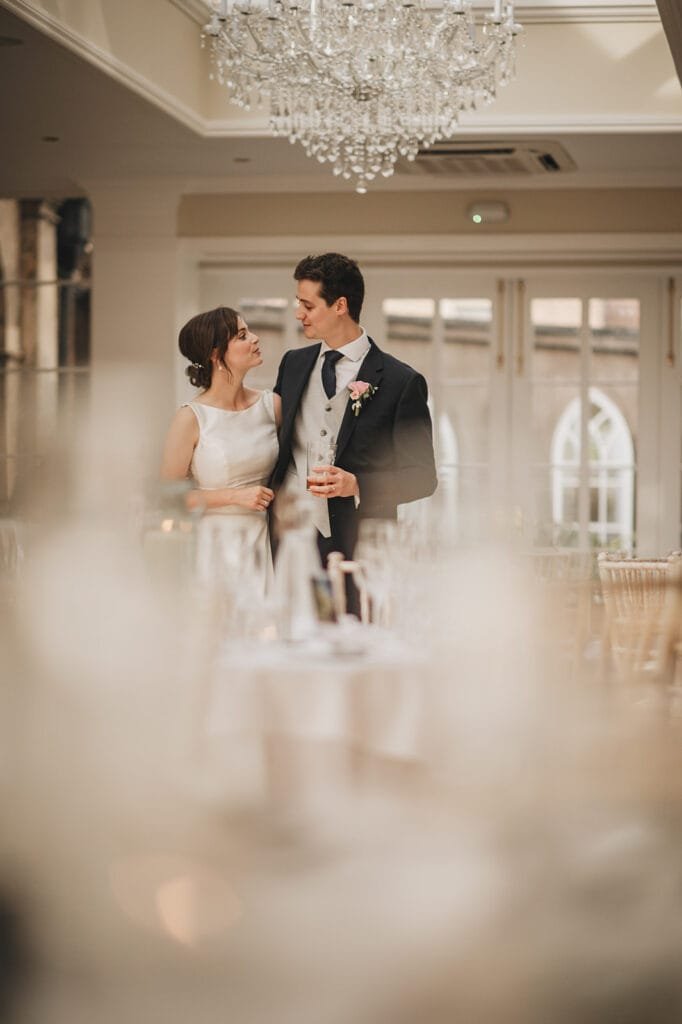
(636, 595)
(565, 577)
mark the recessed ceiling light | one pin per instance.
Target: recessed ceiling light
(50, 138)
(11, 41)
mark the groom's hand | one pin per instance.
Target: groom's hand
(336, 483)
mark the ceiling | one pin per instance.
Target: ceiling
(104, 130)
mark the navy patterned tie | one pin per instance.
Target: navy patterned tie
(331, 358)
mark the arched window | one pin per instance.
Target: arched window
(611, 463)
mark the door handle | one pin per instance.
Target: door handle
(672, 295)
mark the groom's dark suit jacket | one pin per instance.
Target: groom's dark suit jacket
(388, 446)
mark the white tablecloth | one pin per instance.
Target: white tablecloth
(371, 700)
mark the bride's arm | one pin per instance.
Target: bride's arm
(256, 497)
(181, 440)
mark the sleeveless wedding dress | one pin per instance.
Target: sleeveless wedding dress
(235, 449)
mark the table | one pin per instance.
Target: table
(300, 722)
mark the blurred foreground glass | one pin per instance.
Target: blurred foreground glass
(11, 558)
(169, 533)
(252, 614)
(229, 580)
(219, 556)
(376, 551)
(296, 567)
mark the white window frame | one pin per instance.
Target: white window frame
(566, 472)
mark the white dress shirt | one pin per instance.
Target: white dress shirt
(347, 368)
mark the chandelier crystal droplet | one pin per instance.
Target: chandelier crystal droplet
(361, 84)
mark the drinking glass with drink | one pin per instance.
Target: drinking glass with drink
(320, 455)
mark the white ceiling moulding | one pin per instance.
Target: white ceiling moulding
(224, 128)
(116, 69)
(545, 11)
(542, 11)
(277, 185)
(584, 124)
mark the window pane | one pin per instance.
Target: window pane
(467, 327)
(555, 325)
(463, 424)
(611, 469)
(553, 507)
(613, 425)
(461, 430)
(556, 441)
(614, 339)
(470, 488)
(408, 331)
(555, 435)
(569, 504)
(617, 488)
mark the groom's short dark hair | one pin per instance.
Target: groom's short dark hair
(339, 276)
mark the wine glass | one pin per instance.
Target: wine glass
(375, 551)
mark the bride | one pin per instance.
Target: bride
(226, 441)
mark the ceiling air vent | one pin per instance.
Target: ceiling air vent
(489, 159)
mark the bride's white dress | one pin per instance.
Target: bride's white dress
(235, 449)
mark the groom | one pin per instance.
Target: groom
(346, 389)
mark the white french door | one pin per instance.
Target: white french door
(555, 396)
(586, 419)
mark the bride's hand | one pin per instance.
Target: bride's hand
(257, 498)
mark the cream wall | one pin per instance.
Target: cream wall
(440, 213)
(589, 74)
(135, 298)
(149, 45)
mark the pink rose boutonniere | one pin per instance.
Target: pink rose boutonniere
(360, 392)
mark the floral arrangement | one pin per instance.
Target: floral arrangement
(360, 393)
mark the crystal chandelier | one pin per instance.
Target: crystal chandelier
(361, 83)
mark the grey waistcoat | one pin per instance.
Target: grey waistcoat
(317, 417)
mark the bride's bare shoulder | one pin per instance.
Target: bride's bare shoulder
(181, 440)
(184, 423)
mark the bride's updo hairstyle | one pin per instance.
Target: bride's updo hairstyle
(201, 336)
